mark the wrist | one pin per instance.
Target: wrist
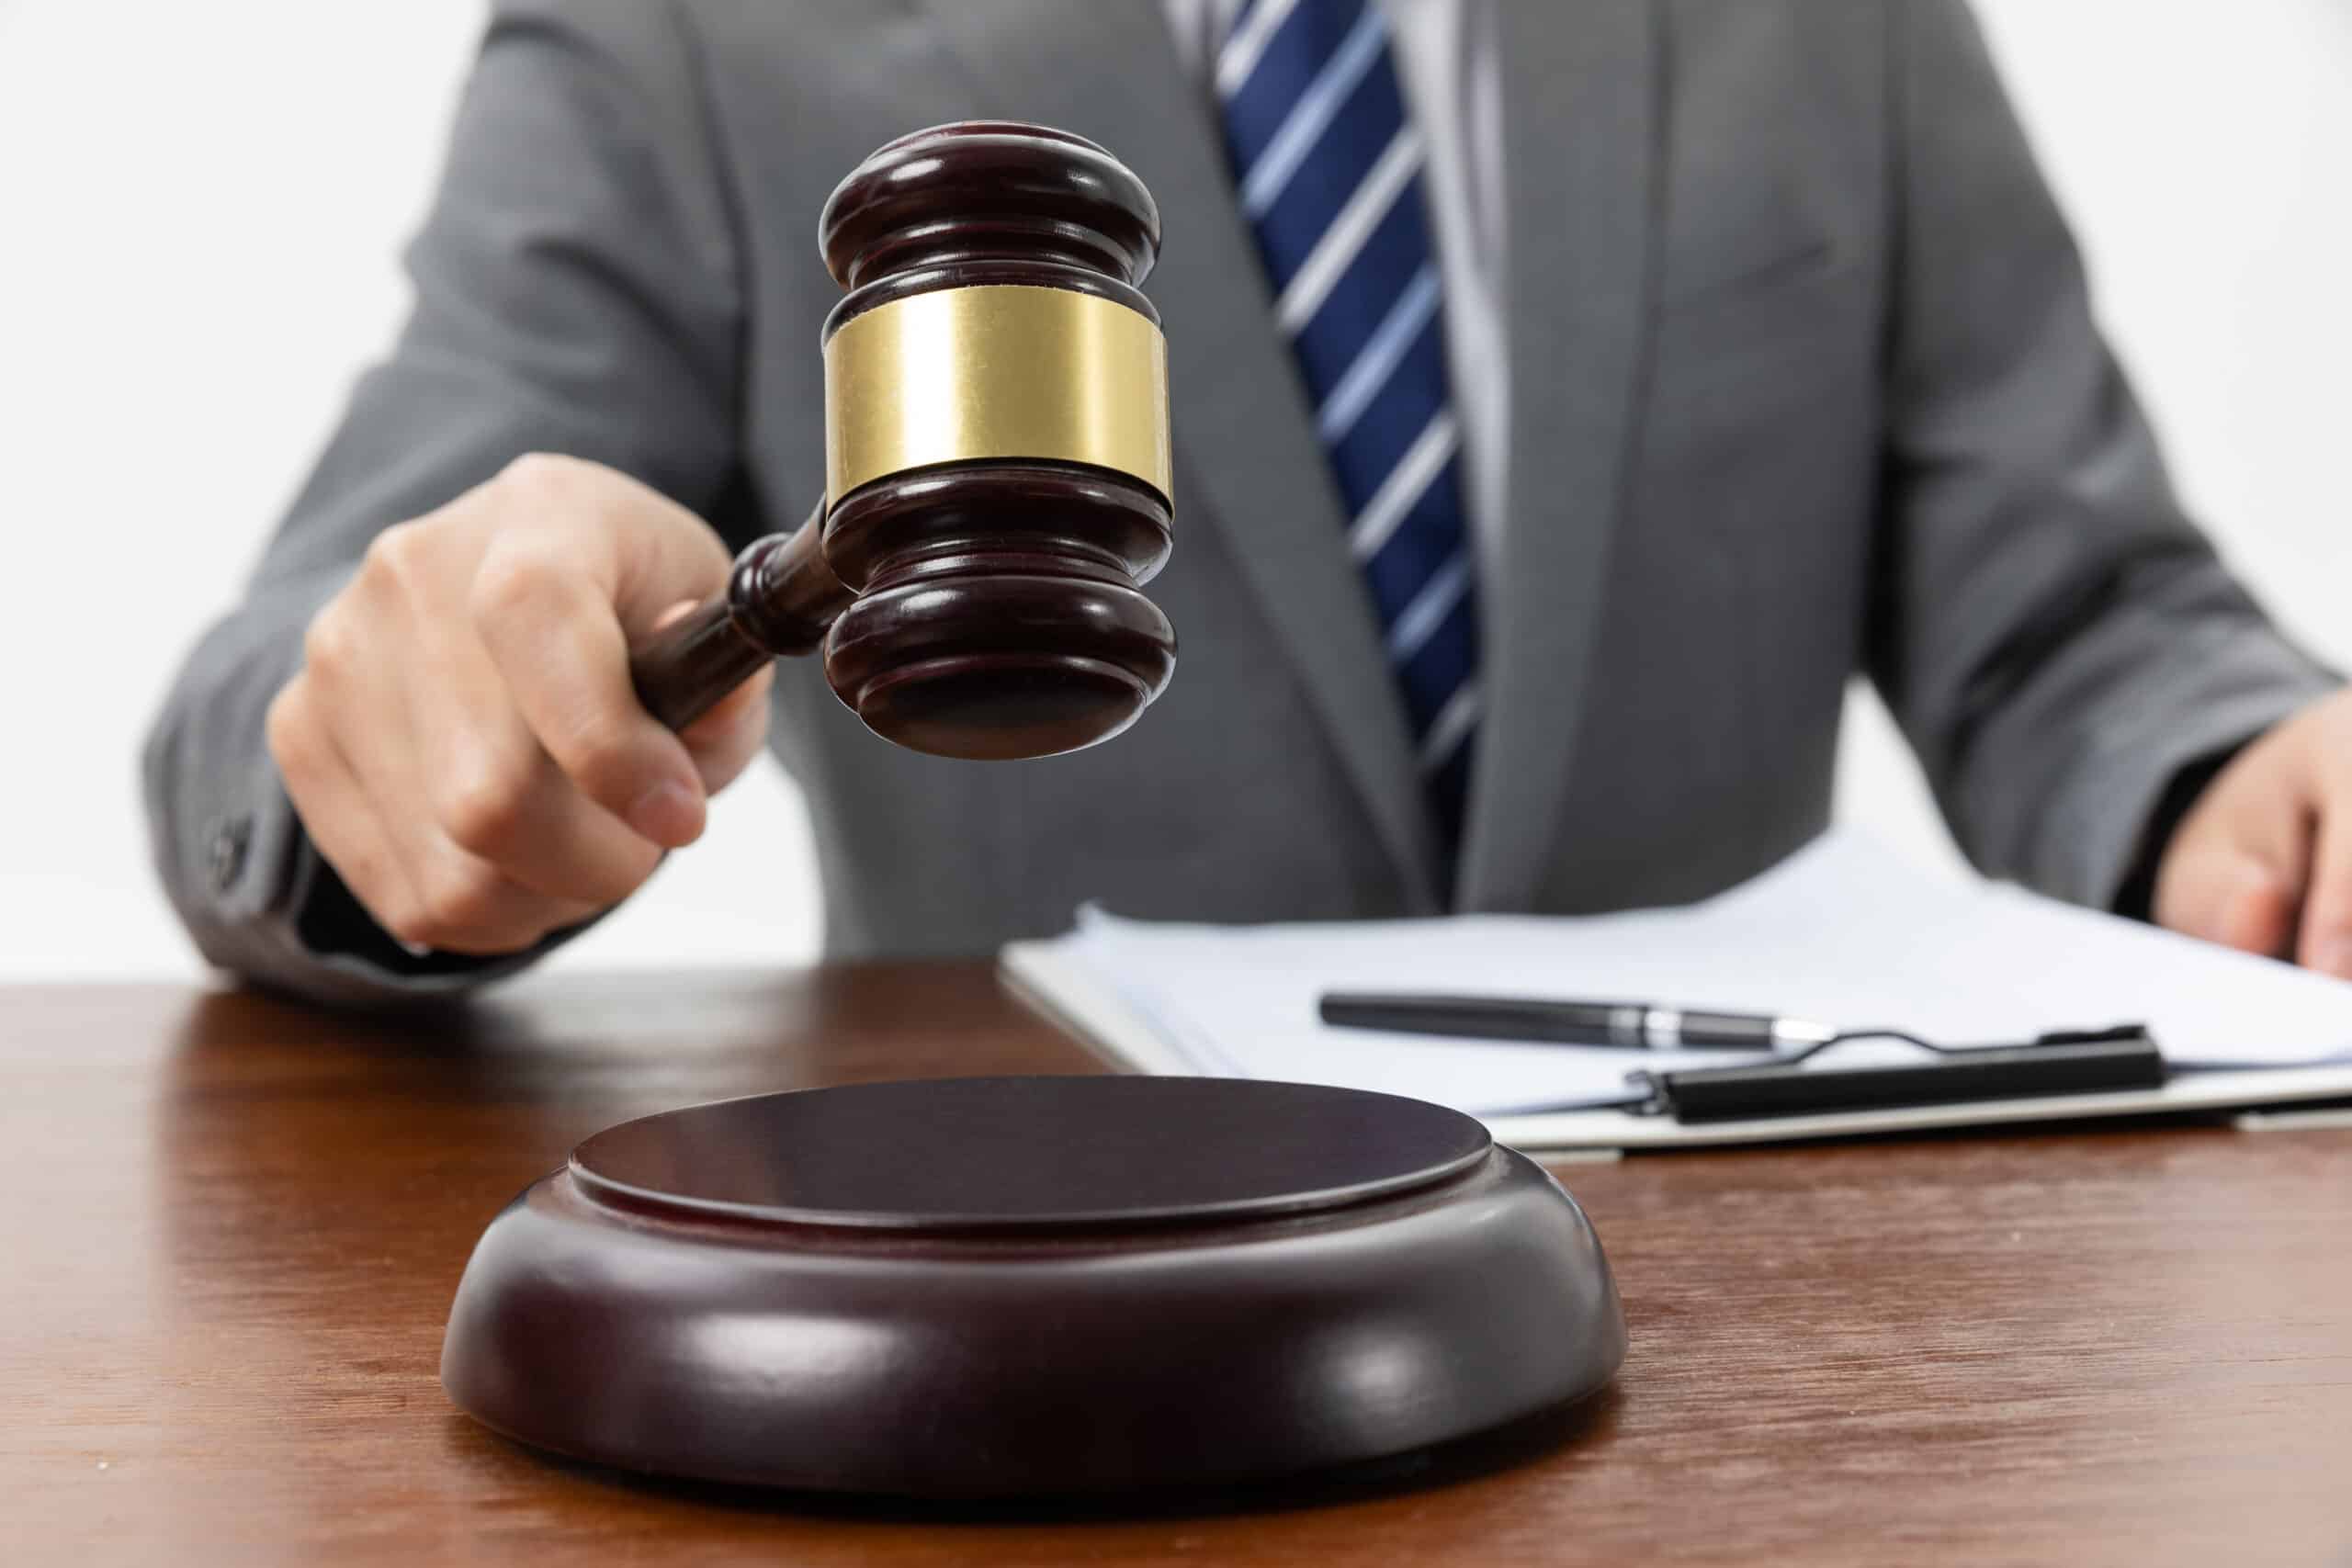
(2135, 897)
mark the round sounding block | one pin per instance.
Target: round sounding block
(1028, 1286)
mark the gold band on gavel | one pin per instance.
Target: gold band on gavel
(996, 370)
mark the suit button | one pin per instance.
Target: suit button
(225, 853)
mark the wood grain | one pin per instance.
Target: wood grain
(235, 1225)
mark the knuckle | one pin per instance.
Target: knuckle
(398, 554)
(458, 896)
(598, 753)
(286, 729)
(406, 921)
(369, 872)
(513, 581)
(379, 890)
(537, 478)
(583, 497)
(330, 643)
(485, 802)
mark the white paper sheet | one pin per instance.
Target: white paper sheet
(1844, 932)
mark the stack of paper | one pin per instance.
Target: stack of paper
(1844, 932)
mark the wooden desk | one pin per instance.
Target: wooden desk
(233, 1227)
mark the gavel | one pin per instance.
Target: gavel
(997, 464)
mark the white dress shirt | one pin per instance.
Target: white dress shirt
(1449, 64)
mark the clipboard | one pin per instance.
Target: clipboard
(1081, 1004)
(1844, 930)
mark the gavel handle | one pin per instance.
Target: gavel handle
(780, 599)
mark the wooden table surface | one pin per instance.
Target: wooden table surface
(233, 1227)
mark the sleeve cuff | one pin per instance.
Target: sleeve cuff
(2122, 811)
(2135, 899)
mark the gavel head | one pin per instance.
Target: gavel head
(997, 448)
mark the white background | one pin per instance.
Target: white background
(201, 208)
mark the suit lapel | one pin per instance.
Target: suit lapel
(1582, 124)
(1243, 431)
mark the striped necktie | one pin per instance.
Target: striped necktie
(1328, 167)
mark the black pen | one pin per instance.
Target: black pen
(1627, 1025)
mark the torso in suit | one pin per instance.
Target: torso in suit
(1803, 382)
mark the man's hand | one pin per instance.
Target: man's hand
(2263, 861)
(463, 744)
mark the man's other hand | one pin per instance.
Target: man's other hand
(2263, 860)
(463, 744)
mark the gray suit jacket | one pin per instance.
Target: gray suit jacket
(1805, 382)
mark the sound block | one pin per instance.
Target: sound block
(1030, 1286)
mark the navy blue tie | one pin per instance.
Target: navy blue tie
(1330, 172)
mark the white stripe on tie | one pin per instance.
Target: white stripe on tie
(1336, 250)
(1247, 42)
(1453, 722)
(1314, 110)
(1378, 357)
(1406, 483)
(1419, 620)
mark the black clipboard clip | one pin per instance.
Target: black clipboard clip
(2078, 1061)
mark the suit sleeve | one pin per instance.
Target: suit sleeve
(2056, 639)
(575, 292)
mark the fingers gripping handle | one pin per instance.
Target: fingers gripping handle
(687, 666)
(780, 600)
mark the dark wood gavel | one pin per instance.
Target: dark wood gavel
(997, 461)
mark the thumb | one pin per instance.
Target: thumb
(660, 556)
(581, 562)
(642, 551)
(723, 742)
